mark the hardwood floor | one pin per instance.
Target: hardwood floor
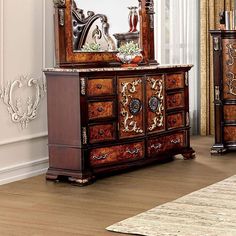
(36, 207)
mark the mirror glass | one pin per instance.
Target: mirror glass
(104, 25)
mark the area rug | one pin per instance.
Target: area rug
(210, 211)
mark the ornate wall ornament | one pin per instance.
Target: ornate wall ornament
(156, 102)
(135, 106)
(22, 110)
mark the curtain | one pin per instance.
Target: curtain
(178, 42)
(209, 19)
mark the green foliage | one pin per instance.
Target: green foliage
(130, 48)
(91, 47)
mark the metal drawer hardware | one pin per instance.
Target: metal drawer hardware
(99, 86)
(174, 101)
(100, 109)
(101, 132)
(133, 151)
(156, 146)
(217, 92)
(84, 135)
(61, 13)
(186, 78)
(216, 43)
(82, 86)
(101, 157)
(175, 141)
(187, 119)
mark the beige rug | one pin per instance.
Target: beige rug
(210, 211)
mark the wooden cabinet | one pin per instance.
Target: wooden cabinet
(105, 120)
(224, 47)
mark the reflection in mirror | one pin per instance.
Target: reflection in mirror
(106, 26)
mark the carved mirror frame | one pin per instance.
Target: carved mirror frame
(67, 57)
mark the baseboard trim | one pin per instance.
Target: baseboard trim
(23, 171)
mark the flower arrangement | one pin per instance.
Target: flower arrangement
(129, 54)
(91, 47)
(129, 48)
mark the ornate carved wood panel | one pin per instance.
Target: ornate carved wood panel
(109, 155)
(130, 97)
(229, 68)
(155, 103)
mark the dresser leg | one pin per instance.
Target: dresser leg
(189, 154)
(218, 149)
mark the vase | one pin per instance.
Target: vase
(129, 60)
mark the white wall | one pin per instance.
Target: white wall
(26, 47)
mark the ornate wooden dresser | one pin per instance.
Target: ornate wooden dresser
(105, 119)
(224, 46)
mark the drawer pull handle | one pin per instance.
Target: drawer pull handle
(101, 157)
(99, 86)
(133, 151)
(174, 81)
(156, 146)
(100, 109)
(101, 132)
(174, 101)
(175, 141)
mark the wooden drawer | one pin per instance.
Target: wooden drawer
(100, 87)
(175, 120)
(101, 133)
(230, 112)
(97, 110)
(166, 143)
(175, 100)
(174, 81)
(230, 133)
(116, 154)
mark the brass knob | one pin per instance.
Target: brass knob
(100, 109)
(99, 86)
(101, 132)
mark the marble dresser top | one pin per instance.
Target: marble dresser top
(148, 67)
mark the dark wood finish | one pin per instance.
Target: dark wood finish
(174, 81)
(98, 110)
(116, 154)
(224, 44)
(136, 117)
(67, 56)
(175, 100)
(100, 86)
(103, 132)
(175, 120)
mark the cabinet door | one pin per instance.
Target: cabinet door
(130, 99)
(155, 103)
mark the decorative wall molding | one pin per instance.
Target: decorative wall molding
(24, 138)
(22, 112)
(1, 43)
(23, 171)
